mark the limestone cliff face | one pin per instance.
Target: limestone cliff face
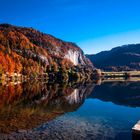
(76, 57)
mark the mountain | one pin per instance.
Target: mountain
(30, 52)
(125, 57)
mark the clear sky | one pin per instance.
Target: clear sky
(95, 25)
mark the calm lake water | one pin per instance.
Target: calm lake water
(69, 111)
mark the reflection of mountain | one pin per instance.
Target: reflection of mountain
(21, 104)
(34, 105)
(119, 93)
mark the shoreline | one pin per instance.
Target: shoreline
(96, 74)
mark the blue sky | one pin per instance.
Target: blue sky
(95, 25)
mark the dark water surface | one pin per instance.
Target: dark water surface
(69, 111)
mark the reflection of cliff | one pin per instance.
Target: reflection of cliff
(121, 93)
(21, 104)
(78, 94)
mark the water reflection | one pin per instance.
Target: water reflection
(22, 103)
(121, 93)
(35, 110)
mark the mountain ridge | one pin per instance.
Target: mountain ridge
(31, 52)
(126, 57)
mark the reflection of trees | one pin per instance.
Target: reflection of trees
(27, 105)
(10, 94)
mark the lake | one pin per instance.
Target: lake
(69, 111)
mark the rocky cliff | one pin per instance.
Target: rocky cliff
(28, 51)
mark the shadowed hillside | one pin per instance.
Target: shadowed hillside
(120, 58)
